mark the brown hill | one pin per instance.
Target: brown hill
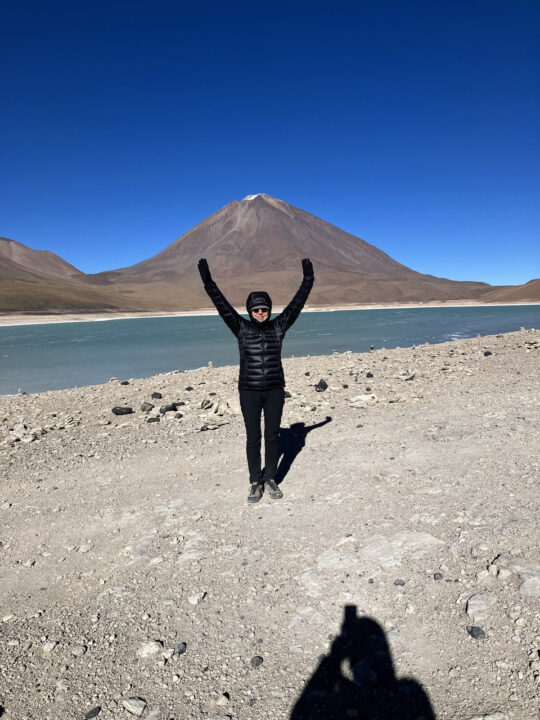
(18, 262)
(40, 281)
(255, 243)
(515, 293)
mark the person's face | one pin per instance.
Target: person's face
(259, 314)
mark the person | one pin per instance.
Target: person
(261, 380)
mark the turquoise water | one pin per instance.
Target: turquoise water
(36, 358)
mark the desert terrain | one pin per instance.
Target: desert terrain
(399, 576)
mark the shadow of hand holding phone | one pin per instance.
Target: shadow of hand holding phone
(356, 680)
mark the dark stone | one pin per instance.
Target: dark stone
(189, 388)
(399, 582)
(369, 374)
(372, 347)
(487, 353)
(321, 385)
(156, 396)
(204, 428)
(152, 419)
(476, 632)
(256, 661)
(345, 387)
(359, 425)
(368, 389)
(94, 712)
(146, 407)
(212, 393)
(180, 648)
(122, 410)
(167, 408)
(124, 382)
(437, 576)
(179, 403)
(287, 394)
(178, 415)
(252, 702)
(307, 374)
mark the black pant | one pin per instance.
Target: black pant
(253, 402)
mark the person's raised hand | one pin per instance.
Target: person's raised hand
(204, 271)
(307, 267)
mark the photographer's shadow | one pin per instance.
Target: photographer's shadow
(291, 442)
(356, 680)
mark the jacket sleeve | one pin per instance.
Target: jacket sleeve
(224, 308)
(294, 308)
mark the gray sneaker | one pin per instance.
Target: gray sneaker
(273, 490)
(255, 493)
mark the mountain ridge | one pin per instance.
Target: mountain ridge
(254, 242)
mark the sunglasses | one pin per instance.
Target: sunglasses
(260, 309)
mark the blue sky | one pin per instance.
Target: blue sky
(413, 125)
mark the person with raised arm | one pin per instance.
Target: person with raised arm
(261, 382)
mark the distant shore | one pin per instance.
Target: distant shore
(7, 319)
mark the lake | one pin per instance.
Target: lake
(54, 356)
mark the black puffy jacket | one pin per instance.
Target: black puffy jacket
(260, 343)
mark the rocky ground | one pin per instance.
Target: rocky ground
(136, 581)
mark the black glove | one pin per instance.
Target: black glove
(307, 267)
(204, 271)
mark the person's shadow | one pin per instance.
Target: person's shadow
(356, 680)
(291, 442)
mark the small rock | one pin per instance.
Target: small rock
(146, 407)
(180, 648)
(122, 410)
(156, 396)
(152, 419)
(321, 386)
(399, 582)
(94, 712)
(49, 646)
(476, 632)
(479, 606)
(78, 650)
(134, 705)
(437, 576)
(149, 649)
(167, 408)
(196, 598)
(223, 700)
(124, 382)
(487, 353)
(256, 661)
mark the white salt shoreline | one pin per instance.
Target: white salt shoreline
(15, 319)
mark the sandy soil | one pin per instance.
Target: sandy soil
(29, 318)
(399, 577)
